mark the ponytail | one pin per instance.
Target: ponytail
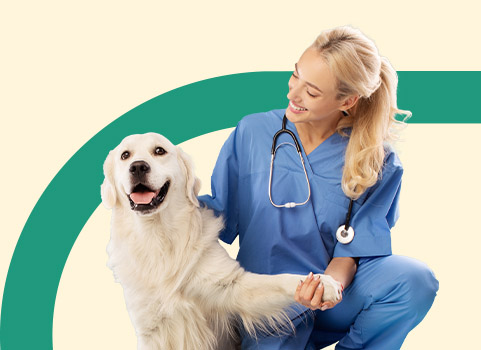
(360, 70)
(373, 122)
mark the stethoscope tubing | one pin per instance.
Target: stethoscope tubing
(345, 233)
(288, 204)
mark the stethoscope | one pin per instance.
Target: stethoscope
(345, 233)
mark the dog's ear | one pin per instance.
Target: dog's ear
(192, 186)
(107, 190)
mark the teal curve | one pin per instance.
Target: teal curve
(181, 114)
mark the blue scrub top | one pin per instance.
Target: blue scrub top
(301, 239)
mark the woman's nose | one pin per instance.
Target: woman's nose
(293, 94)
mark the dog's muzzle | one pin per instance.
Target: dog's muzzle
(142, 197)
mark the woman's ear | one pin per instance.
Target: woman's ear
(349, 102)
(107, 189)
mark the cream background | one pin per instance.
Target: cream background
(68, 70)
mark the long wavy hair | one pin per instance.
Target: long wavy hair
(360, 70)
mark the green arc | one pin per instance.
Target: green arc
(48, 236)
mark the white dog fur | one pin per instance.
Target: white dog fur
(181, 288)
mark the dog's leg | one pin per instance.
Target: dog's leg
(261, 300)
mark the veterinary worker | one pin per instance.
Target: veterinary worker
(342, 104)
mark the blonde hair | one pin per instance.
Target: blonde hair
(355, 61)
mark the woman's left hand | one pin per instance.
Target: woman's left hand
(309, 294)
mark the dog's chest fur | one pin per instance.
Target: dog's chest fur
(154, 265)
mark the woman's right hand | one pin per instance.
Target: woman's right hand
(309, 294)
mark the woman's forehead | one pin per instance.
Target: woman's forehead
(313, 69)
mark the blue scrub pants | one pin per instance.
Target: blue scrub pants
(388, 297)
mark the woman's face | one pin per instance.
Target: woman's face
(312, 91)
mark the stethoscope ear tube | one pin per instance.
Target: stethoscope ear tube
(288, 204)
(273, 155)
(273, 149)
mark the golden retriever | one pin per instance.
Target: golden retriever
(181, 288)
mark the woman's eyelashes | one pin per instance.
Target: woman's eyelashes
(307, 90)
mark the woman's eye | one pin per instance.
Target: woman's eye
(125, 155)
(294, 75)
(310, 94)
(160, 151)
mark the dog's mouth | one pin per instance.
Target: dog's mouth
(144, 198)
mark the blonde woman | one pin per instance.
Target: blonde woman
(342, 103)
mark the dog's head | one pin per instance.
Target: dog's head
(145, 171)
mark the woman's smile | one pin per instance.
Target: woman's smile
(296, 108)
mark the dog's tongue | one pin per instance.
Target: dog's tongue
(142, 197)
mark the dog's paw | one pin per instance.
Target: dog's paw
(332, 289)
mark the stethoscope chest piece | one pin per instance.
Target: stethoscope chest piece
(345, 236)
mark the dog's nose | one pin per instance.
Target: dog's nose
(139, 168)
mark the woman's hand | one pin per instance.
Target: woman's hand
(309, 293)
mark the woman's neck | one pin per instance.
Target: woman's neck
(312, 134)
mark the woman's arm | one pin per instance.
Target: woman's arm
(342, 270)
(309, 292)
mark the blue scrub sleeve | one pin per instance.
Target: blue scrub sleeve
(224, 188)
(373, 221)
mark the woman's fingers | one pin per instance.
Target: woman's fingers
(316, 300)
(309, 294)
(305, 291)
(327, 305)
(298, 292)
(301, 287)
(305, 286)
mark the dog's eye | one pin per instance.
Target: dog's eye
(160, 151)
(125, 155)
